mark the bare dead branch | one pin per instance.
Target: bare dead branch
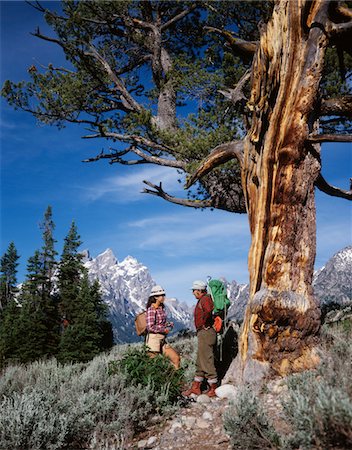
(340, 29)
(129, 138)
(221, 154)
(178, 17)
(159, 161)
(129, 100)
(240, 46)
(330, 138)
(38, 34)
(334, 191)
(344, 11)
(103, 155)
(159, 192)
(236, 95)
(337, 106)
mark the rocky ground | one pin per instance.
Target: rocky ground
(199, 425)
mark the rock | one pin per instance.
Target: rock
(189, 422)
(201, 423)
(152, 441)
(203, 399)
(226, 391)
(142, 443)
(176, 424)
(207, 415)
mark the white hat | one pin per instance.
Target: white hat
(199, 284)
(157, 290)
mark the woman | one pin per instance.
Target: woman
(158, 327)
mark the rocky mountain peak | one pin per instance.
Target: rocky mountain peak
(126, 285)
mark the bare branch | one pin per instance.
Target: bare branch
(159, 192)
(159, 161)
(178, 17)
(337, 106)
(324, 186)
(129, 100)
(103, 155)
(38, 34)
(330, 138)
(341, 28)
(221, 154)
(130, 138)
(344, 11)
(236, 95)
(239, 46)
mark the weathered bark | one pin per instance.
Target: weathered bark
(282, 318)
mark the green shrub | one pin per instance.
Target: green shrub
(143, 371)
(47, 405)
(319, 413)
(247, 424)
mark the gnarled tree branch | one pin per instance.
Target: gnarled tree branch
(334, 191)
(129, 138)
(236, 95)
(330, 138)
(220, 155)
(337, 106)
(159, 192)
(127, 99)
(239, 46)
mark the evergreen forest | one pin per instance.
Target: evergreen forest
(56, 311)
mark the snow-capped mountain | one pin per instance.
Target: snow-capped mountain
(332, 286)
(333, 282)
(125, 288)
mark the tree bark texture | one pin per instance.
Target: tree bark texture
(282, 318)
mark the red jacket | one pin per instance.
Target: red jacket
(203, 312)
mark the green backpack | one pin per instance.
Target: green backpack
(219, 295)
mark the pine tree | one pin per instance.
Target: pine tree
(86, 330)
(8, 277)
(38, 323)
(70, 273)
(104, 325)
(11, 334)
(32, 344)
(49, 298)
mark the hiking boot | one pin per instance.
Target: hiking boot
(211, 391)
(194, 389)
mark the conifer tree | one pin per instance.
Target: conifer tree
(104, 325)
(8, 277)
(10, 333)
(86, 331)
(70, 273)
(37, 323)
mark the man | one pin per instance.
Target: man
(206, 336)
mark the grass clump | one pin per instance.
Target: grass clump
(51, 406)
(319, 403)
(248, 425)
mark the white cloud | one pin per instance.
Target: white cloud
(127, 188)
(185, 233)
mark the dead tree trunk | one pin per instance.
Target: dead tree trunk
(282, 318)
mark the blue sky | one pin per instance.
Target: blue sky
(41, 166)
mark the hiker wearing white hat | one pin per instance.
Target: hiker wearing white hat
(158, 327)
(206, 337)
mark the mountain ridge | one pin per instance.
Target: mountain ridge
(125, 288)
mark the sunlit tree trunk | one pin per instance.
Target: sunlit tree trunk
(282, 318)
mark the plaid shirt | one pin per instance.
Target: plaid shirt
(156, 320)
(203, 312)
